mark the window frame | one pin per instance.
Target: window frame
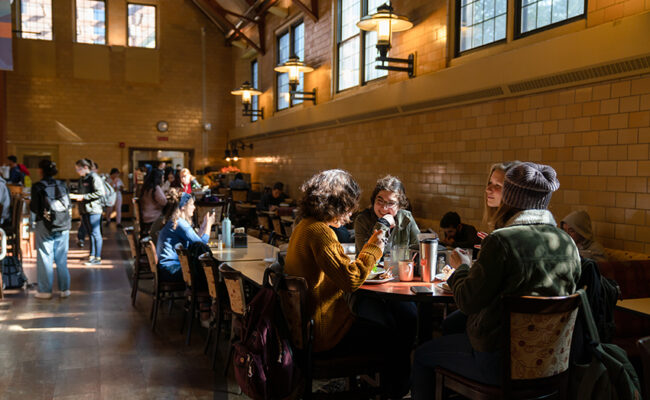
(156, 15)
(19, 21)
(363, 11)
(457, 27)
(287, 30)
(255, 100)
(106, 24)
(517, 34)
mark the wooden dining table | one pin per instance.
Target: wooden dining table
(640, 306)
(253, 252)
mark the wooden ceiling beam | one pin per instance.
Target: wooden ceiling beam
(311, 12)
(234, 30)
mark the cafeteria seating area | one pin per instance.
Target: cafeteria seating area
(305, 199)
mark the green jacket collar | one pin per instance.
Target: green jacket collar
(532, 217)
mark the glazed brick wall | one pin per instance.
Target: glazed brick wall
(106, 112)
(601, 11)
(595, 136)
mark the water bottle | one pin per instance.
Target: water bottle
(225, 229)
(441, 264)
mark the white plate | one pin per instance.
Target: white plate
(379, 280)
(372, 274)
(443, 286)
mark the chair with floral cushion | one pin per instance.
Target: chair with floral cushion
(536, 346)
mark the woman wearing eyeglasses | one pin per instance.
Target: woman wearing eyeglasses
(387, 212)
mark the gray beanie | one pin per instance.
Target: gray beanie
(529, 186)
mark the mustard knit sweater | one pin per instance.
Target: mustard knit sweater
(315, 254)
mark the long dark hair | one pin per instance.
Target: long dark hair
(153, 179)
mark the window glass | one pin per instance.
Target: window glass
(349, 64)
(91, 21)
(299, 51)
(481, 22)
(36, 19)
(142, 26)
(537, 14)
(255, 101)
(349, 18)
(284, 47)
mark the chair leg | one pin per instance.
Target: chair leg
(206, 345)
(440, 383)
(228, 360)
(154, 297)
(134, 290)
(171, 304)
(192, 312)
(155, 310)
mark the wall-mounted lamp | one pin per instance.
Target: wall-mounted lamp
(294, 67)
(232, 150)
(246, 91)
(226, 155)
(385, 22)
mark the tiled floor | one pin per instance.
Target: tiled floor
(94, 345)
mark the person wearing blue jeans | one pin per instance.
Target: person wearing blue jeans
(91, 192)
(51, 205)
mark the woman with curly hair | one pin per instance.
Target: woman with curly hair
(314, 253)
(387, 211)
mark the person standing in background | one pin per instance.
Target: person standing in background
(16, 172)
(50, 204)
(118, 185)
(91, 193)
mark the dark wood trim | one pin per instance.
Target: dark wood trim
(311, 12)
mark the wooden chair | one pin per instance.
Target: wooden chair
(264, 222)
(162, 290)
(239, 195)
(294, 302)
(536, 345)
(193, 296)
(219, 296)
(141, 270)
(234, 283)
(644, 349)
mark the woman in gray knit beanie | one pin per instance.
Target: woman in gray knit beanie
(526, 255)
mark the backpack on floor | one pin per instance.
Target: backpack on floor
(12, 273)
(263, 359)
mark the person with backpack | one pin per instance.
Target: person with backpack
(117, 185)
(51, 205)
(91, 196)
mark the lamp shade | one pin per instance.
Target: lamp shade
(384, 22)
(294, 67)
(246, 91)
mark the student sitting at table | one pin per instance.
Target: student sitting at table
(271, 200)
(456, 233)
(527, 255)
(239, 183)
(387, 211)
(178, 229)
(578, 225)
(314, 253)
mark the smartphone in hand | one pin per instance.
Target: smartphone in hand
(421, 289)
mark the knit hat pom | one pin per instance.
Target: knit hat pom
(529, 186)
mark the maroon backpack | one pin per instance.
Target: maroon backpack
(265, 366)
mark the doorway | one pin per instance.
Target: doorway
(174, 158)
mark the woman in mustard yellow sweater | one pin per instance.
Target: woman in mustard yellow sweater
(314, 253)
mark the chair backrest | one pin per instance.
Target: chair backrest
(235, 286)
(185, 264)
(277, 225)
(264, 221)
(240, 195)
(150, 251)
(292, 291)
(538, 340)
(211, 273)
(129, 232)
(224, 190)
(201, 210)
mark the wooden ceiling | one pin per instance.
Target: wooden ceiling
(244, 20)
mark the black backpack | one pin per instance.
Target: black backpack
(56, 207)
(13, 276)
(603, 294)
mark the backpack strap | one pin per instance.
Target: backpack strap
(589, 318)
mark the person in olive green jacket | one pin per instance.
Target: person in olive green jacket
(387, 212)
(526, 255)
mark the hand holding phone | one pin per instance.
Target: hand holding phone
(421, 289)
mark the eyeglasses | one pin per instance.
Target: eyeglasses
(386, 204)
